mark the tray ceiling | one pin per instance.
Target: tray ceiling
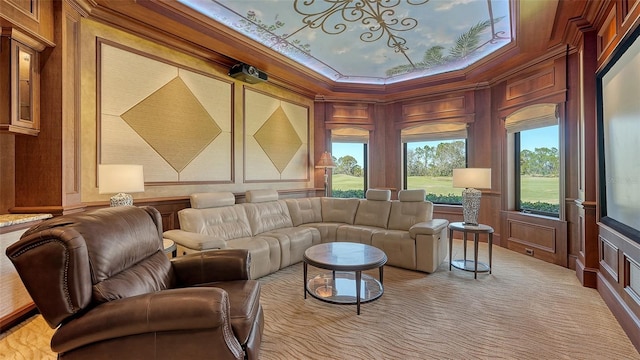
(370, 41)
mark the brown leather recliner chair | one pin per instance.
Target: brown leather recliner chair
(103, 279)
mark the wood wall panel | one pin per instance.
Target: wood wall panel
(531, 84)
(7, 172)
(541, 237)
(439, 108)
(631, 282)
(608, 34)
(609, 258)
(71, 108)
(544, 82)
(621, 293)
(357, 113)
(34, 17)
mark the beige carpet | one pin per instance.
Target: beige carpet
(527, 309)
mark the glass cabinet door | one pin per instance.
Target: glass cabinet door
(24, 88)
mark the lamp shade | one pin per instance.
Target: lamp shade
(326, 161)
(478, 178)
(117, 178)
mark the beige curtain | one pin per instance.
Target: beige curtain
(532, 117)
(434, 132)
(350, 135)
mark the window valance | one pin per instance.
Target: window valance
(350, 135)
(434, 132)
(532, 117)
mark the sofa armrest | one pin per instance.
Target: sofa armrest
(431, 227)
(211, 266)
(173, 310)
(195, 241)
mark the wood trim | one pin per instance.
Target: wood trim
(586, 276)
(609, 258)
(18, 316)
(538, 236)
(626, 317)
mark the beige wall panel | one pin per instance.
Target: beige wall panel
(215, 97)
(262, 167)
(212, 163)
(298, 166)
(119, 141)
(298, 116)
(128, 78)
(276, 139)
(177, 117)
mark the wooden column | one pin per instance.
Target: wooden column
(48, 165)
(587, 261)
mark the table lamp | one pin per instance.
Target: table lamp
(326, 162)
(470, 179)
(120, 179)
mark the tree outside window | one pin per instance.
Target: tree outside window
(538, 176)
(429, 165)
(349, 177)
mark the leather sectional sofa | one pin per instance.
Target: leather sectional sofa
(277, 232)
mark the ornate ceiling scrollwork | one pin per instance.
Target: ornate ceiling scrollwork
(379, 16)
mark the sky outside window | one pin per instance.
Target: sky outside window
(537, 138)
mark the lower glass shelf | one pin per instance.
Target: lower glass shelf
(469, 265)
(340, 287)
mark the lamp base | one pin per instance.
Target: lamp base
(471, 206)
(121, 199)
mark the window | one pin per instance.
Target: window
(538, 171)
(533, 137)
(430, 153)
(349, 151)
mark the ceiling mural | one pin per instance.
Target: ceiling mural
(370, 41)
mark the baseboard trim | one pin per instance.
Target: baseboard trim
(627, 318)
(17, 317)
(588, 276)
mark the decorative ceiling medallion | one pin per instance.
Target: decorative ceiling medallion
(278, 139)
(173, 109)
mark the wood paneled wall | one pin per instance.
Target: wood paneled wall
(606, 257)
(49, 174)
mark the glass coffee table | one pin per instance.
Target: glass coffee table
(345, 284)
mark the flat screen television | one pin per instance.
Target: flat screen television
(618, 112)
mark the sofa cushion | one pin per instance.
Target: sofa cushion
(357, 233)
(265, 254)
(326, 231)
(304, 210)
(293, 242)
(412, 195)
(405, 214)
(228, 222)
(373, 213)
(399, 247)
(212, 199)
(378, 195)
(267, 216)
(258, 196)
(339, 210)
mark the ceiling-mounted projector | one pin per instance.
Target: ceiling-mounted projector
(247, 73)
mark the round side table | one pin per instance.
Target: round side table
(169, 247)
(470, 265)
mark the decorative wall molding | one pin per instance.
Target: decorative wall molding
(276, 138)
(162, 115)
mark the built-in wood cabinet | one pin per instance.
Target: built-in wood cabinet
(19, 83)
